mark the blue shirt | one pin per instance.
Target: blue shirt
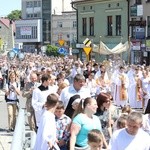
(86, 125)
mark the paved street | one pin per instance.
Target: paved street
(5, 137)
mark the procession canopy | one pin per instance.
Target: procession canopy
(103, 49)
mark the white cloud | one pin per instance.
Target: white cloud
(57, 6)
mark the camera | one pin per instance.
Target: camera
(11, 88)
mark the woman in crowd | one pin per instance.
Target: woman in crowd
(72, 105)
(104, 114)
(11, 96)
(84, 121)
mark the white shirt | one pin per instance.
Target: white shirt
(46, 132)
(70, 91)
(121, 140)
(146, 123)
(12, 95)
(38, 100)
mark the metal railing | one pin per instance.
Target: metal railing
(22, 139)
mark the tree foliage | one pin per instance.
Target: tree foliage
(52, 50)
(14, 15)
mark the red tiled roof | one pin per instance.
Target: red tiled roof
(6, 22)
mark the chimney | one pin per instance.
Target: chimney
(62, 5)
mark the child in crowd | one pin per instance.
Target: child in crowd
(126, 109)
(62, 126)
(122, 121)
(46, 134)
(95, 140)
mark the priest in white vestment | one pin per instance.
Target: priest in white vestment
(121, 83)
(134, 89)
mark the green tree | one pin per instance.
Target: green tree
(52, 50)
(14, 15)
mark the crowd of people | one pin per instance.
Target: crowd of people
(75, 105)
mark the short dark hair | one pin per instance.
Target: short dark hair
(102, 65)
(95, 64)
(121, 67)
(43, 68)
(79, 77)
(52, 100)
(45, 77)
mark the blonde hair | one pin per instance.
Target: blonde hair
(121, 122)
(61, 87)
(126, 109)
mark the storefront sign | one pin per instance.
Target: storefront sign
(140, 33)
(136, 10)
(139, 10)
(133, 10)
(137, 23)
(136, 45)
(26, 30)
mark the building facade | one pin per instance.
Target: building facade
(34, 30)
(140, 31)
(102, 20)
(64, 27)
(7, 34)
(112, 20)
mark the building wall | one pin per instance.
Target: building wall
(24, 32)
(99, 12)
(64, 27)
(6, 37)
(100, 9)
(35, 14)
(140, 50)
(30, 8)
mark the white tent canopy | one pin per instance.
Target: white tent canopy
(103, 49)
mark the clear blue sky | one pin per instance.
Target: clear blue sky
(6, 6)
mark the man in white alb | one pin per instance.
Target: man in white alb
(132, 137)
